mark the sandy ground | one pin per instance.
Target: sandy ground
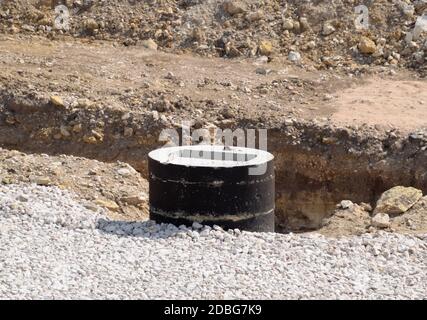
(399, 104)
(101, 71)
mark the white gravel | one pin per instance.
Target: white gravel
(51, 246)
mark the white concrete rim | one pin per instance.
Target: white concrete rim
(170, 155)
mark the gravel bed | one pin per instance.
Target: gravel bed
(51, 246)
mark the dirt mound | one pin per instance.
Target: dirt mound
(351, 218)
(114, 186)
(318, 33)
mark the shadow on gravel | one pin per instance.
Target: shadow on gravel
(147, 229)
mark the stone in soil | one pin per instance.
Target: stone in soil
(398, 200)
(381, 220)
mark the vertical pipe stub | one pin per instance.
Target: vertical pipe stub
(231, 187)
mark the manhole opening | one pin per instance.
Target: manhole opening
(215, 155)
(231, 188)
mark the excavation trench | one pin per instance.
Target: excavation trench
(316, 166)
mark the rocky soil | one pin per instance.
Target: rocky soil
(102, 92)
(318, 33)
(117, 187)
(85, 96)
(123, 194)
(399, 209)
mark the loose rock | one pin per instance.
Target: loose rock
(265, 48)
(57, 101)
(398, 200)
(69, 252)
(149, 44)
(381, 220)
(367, 46)
(233, 7)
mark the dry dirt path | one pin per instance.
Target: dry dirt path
(122, 77)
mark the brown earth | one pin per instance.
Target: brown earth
(348, 131)
(114, 186)
(401, 104)
(325, 33)
(134, 78)
(358, 220)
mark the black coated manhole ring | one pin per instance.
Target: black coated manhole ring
(231, 187)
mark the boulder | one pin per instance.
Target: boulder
(398, 200)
